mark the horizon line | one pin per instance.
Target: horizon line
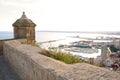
(61, 31)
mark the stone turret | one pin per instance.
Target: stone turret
(24, 28)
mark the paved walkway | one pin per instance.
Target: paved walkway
(5, 71)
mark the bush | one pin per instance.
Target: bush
(62, 56)
(34, 44)
(66, 57)
(113, 49)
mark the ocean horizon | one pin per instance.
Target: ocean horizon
(39, 34)
(6, 35)
(47, 39)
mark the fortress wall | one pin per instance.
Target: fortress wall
(30, 65)
(1, 47)
(1, 44)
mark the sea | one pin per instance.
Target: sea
(6, 35)
(56, 38)
(47, 39)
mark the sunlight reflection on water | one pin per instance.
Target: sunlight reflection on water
(54, 39)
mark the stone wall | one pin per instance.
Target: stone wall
(30, 65)
(1, 47)
(1, 44)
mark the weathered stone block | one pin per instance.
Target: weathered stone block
(30, 65)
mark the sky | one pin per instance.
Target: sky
(63, 15)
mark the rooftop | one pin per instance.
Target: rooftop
(24, 22)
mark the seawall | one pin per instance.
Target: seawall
(30, 65)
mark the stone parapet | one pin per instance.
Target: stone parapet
(1, 47)
(30, 65)
(1, 43)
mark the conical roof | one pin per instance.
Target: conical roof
(24, 22)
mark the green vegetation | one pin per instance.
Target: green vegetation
(23, 42)
(113, 49)
(62, 56)
(66, 57)
(34, 44)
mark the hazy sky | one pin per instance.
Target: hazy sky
(63, 15)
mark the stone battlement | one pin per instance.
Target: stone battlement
(1, 45)
(30, 65)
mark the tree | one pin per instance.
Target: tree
(113, 49)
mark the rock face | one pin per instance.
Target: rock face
(30, 65)
(24, 28)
